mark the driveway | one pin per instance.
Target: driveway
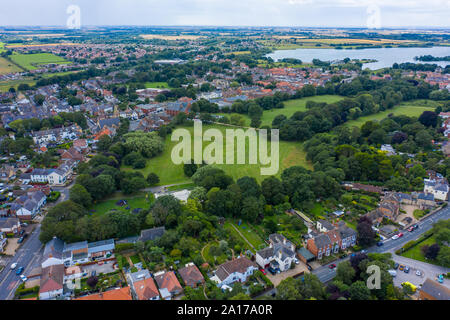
(427, 270)
(105, 268)
(12, 246)
(276, 279)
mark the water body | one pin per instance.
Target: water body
(385, 57)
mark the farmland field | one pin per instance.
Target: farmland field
(7, 66)
(407, 109)
(30, 61)
(291, 154)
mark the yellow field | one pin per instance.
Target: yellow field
(8, 67)
(168, 37)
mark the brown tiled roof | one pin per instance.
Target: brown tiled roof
(169, 281)
(146, 289)
(191, 275)
(237, 265)
(52, 278)
(115, 294)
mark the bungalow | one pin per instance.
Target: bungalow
(51, 284)
(168, 284)
(143, 286)
(235, 270)
(191, 276)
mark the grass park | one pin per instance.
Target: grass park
(32, 61)
(291, 154)
(411, 109)
(416, 252)
(157, 85)
(136, 201)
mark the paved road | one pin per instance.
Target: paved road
(27, 256)
(326, 274)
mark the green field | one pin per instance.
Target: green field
(31, 61)
(290, 107)
(157, 85)
(5, 85)
(7, 66)
(407, 109)
(2, 47)
(134, 202)
(415, 252)
(291, 154)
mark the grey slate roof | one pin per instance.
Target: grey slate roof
(152, 234)
(436, 290)
(54, 248)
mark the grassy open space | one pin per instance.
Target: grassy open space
(250, 235)
(7, 66)
(290, 107)
(32, 61)
(5, 85)
(411, 110)
(2, 47)
(291, 154)
(416, 253)
(157, 85)
(134, 202)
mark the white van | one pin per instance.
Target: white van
(393, 273)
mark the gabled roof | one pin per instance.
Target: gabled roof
(114, 294)
(151, 234)
(436, 290)
(191, 275)
(168, 280)
(52, 278)
(237, 265)
(54, 249)
(146, 289)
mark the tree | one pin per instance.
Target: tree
(359, 291)
(152, 179)
(190, 168)
(428, 119)
(92, 281)
(80, 195)
(366, 235)
(345, 272)
(288, 290)
(133, 185)
(251, 208)
(432, 251)
(104, 143)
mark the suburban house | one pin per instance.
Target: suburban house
(438, 187)
(168, 284)
(347, 234)
(54, 177)
(9, 225)
(143, 286)
(110, 295)
(51, 284)
(319, 245)
(53, 253)
(238, 269)
(191, 276)
(279, 255)
(431, 290)
(340, 237)
(27, 206)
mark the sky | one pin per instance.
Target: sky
(298, 13)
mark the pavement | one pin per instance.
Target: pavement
(325, 274)
(27, 256)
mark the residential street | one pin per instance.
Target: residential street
(28, 256)
(326, 274)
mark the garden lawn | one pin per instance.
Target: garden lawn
(411, 110)
(157, 85)
(134, 202)
(32, 61)
(291, 154)
(251, 235)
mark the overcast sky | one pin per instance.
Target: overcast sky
(331, 13)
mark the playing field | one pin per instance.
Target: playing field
(7, 66)
(33, 61)
(156, 85)
(291, 154)
(290, 107)
(407, 109)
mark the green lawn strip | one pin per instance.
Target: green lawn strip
(416, 253)
(291, 154)
(184, 186)
(251, 235)
(157, 85)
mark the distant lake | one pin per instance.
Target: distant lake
(386, 57)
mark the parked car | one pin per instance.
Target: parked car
(380, 243)
(401, 267)
(396, 266)
(13, 266)
(416, 226)
(23, 278)
(363, 251)
(411, 229)
(400, 235)
(395, 237)
(22, 232)
(263, 271)
(296, 261)
(440, 278)
(19, 271)
(332, 266)
(406, 269)
(272, 271)
(309, 267)
(20, 240)
(418, 273)
(393, 273)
